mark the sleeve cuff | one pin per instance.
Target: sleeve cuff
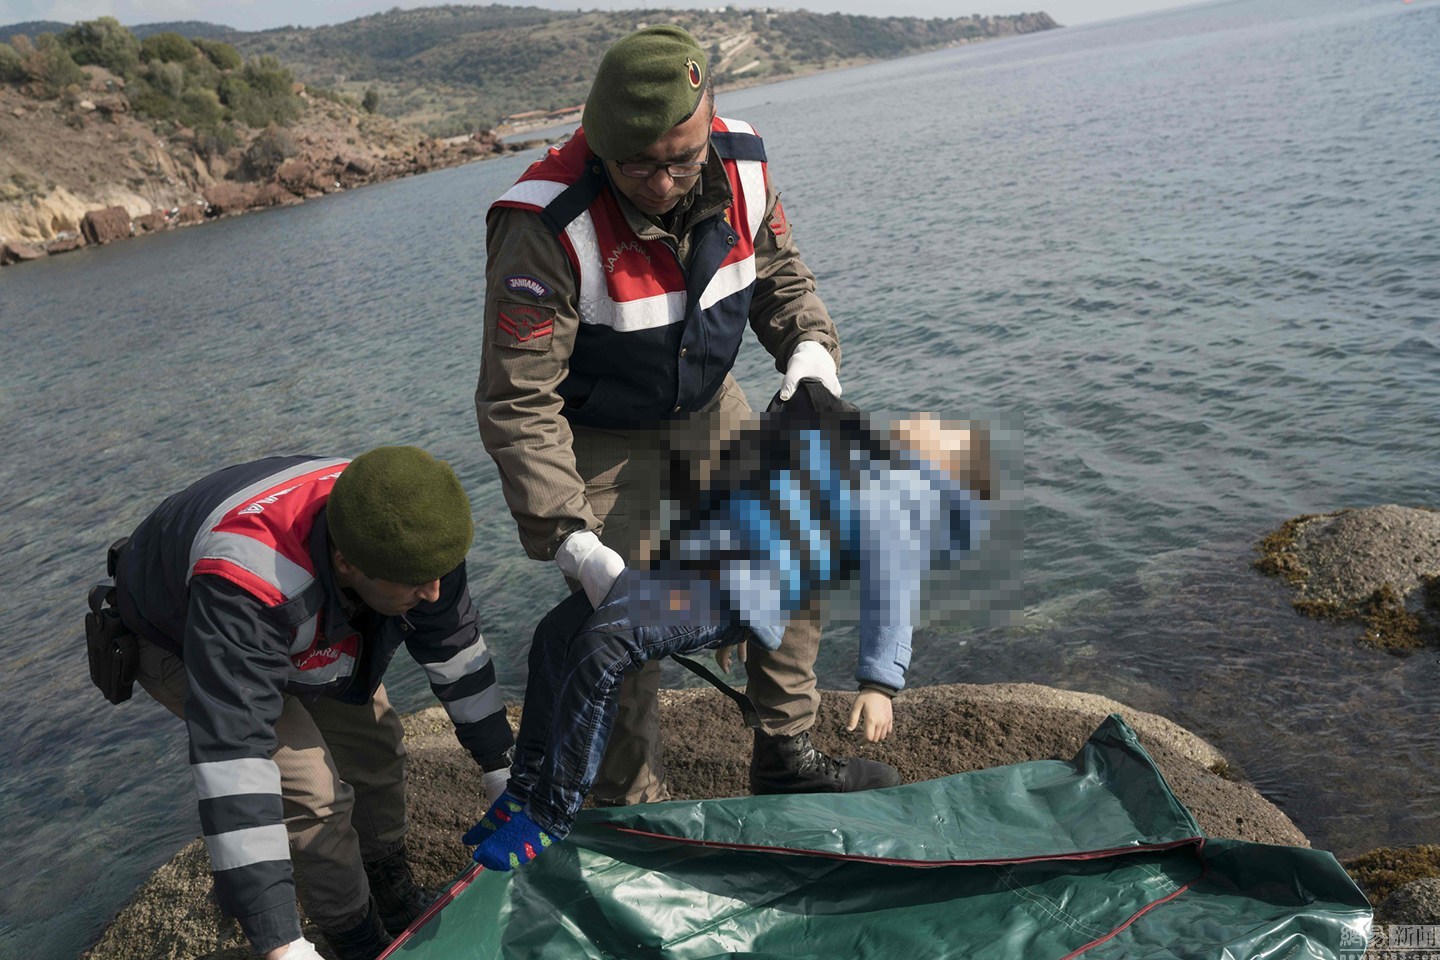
(879, 688)
(271, 928)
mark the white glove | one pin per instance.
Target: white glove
(583, 557)
(494, 783)
(809, 360)
(301, 949)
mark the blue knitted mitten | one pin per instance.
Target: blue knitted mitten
(517, 842)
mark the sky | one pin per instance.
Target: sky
(264, 14)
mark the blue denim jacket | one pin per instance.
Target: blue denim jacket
(837, 512)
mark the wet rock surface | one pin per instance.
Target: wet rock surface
(1416, 902)
(1376, 565)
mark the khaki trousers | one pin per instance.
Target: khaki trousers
(626, 477)
(342, 784)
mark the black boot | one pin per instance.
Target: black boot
(366, 940)
(399, 898)
(782, 764)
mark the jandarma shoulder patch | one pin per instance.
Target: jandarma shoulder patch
(524, 283)
(524, 326)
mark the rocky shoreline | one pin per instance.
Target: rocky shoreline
(112, 177)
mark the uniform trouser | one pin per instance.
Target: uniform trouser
(626, 477)
(342, 784)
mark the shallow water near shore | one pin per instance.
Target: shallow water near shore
(1190, 258)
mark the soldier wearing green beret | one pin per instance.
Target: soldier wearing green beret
(624, 268)
(261, 605)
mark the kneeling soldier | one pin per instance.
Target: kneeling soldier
(267, 600)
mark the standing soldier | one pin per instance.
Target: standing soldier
(622, 270)
(263, 604)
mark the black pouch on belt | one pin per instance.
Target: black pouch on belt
(113, 650)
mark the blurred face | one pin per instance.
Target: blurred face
(948, 445)
(687, 142)
(385, 597)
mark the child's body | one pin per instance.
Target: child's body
(802, 502)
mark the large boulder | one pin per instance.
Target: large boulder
(1376, 565)
(1418, 902)
(939, 731)
(106, 226)
(226, 198)
(296, 175)
(358, 165)
(15, 252)
(151, 222)
(191, 212)
(274, 195)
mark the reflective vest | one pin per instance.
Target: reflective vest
(258, 539)
(656, 336)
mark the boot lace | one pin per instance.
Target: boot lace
(810, 759)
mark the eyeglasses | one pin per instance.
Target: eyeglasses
(677, 171)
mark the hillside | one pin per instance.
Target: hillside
(453, 69)
(186, 28)
(103, 136)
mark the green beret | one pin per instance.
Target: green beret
(647, 83)
(399, 514)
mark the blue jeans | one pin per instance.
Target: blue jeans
(577, 660)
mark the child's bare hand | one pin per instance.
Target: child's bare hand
(722, 655)
(873, 708)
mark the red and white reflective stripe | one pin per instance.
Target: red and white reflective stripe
(251, 538)
(532, 193)
(728, 281)
(265, 571)
(634, 296)
(738, 275)
(752, 179)
(318, 662)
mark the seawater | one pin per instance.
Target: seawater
(1188, 261)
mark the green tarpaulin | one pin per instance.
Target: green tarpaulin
(1041, 860)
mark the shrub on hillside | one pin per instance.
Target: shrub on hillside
(270, 149)
(12, 67)
(168, 48)
(200, 108)
(215, 140)
(222, 55)
(47, 65)
(156, 90)
(105, 43)
(260, 94)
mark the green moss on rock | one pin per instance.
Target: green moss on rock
(1277, 551)
(1384, 870)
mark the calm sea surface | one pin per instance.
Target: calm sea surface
(1191, 260)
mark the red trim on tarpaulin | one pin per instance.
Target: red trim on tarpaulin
(1204, 871)
(457, 887)
(1197, 842)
